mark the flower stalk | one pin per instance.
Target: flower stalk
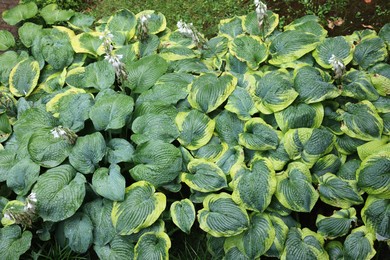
(188, 30)
(338, 66)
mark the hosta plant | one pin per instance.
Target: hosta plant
(114, 131)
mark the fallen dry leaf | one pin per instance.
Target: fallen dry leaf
(368, 26)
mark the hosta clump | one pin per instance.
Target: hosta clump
(112, 132)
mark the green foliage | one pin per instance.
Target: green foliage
(119, 136)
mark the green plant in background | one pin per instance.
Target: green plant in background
(120, 136)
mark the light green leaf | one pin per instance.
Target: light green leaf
(109, 183)
(253, 187)
(99, 75)
(249, 49)
(359, 244)
(258, 135)
(111, 110)
(336, 225)
(59, 192)
(89, 43)
(156, 162)
(24, 77)
(380, 78)
(357, 84)
(78, 232)
(373, 147)
(204, 176)
(28, 32)
(120, 247)
(338, 47)
(375, 215)
(152, 246)
(88, 151)
(122, 25)
(183, 214)
(14, 243)
(7, 40)
(19, 13)
(22, 176)
(140, 209)
(119, 150)
(369, 52)
(52, 14)
(221, 217)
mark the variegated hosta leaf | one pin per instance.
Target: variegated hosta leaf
(88, 151)
(14, 242)
(99, 75)
(141, 207)
(156, 21)
(193, 65)
(7, 40)
(195, 127)
(338, 47)
(120, 247)
(177, 53)
(215, 246)
(307, 23)
(183, 214)
(209, 91)
(338, 192)
(5, 127)
(361, 120)
(216, 50)
(314, 85)
(380, 78)
(221, 217)
(241, 103)
(111, 110)
(19, 13)
(348, 170)
(253, 187)
(22, 176)
(249, 49)
(60, 192)
(373, 147)
(109, 183)
(270, 22)
(373, 176)
(156, 227)
(279, 157)
(24, 77)
(212, 150)
(308, 144)
(234, 65)
(299, 115)
(359, 244)
(277, 208)
(99, 212)
(370, 51)
(357, 84)
(329, 163)
(8, 60)
(376, 217)
(156, 162)
(122, 25)
(204, 176)
(384, 33)
(336, 225)
(228, 127)
(335, 250)
(257, 239)
(274, 92)
(152, 246)
(347, 145)
(231, 27)
(231, 158)
(291, 45)
(304, 244)
(152, 127)
(258, 135)
(281, 231)
(294, 189)
(88, 42)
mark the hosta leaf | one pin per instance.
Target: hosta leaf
(307, 23)
(373, 175)
(348, 170)
(152, 127)
(228, 127)
(120, 247)
(209, 91)
(196, 129)
(7, 40)
(156, 21)
(27, 33)
(111, 110)
(373, 147)
(141, 208)
(89, 43)
(183, 214)
(249, 49)
(281, 231)
(14, 242)
(338, 47)
(122, 25)
(235, 65)
(314, 85)
(258, 135)
(221, 217)
(177, 53)
(231, 27)
(156, 162)
(253, 188)
(291, 45)
(347, 145)
(241, 103)
(157, 227)
(8, 60)
(233, 157)
(99, 212)
(152, 246)
(216, 50)
(78, 232)
(143, 74)
(338, 192)
(7, 161)
(81, 21)
(336, 225)
(215, 246)
(299, 115)
(5, 127)
(59, 192)
(204, 176)
(53, 105)
(24, 77)
(359, 244)
(274, 92)
(329, 163)
(251, 24)
(119, 150)
(335, 250)
(20, 12)
(361, 120)
(88, 152)
(370, 51)
(22, 176)
(99, 75)
(375, 215)
(212, 150)
(47, 148)
(279, 157)
(52, 14)
(109, 183)
(357, 84)
(381, 104)
(304, 244)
